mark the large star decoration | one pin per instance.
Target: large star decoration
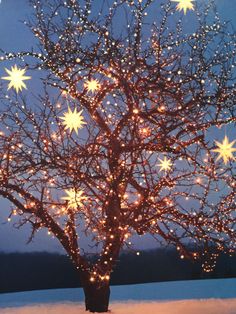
(74, 198)
(165, 164)
(16, 78)
(73, 120)
(184, 5)
(92, 85)
(225, 150)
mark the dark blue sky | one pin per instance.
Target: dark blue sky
(14, 36)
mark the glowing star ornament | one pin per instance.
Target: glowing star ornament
(74, 198)
(73, 120)
(92, 85)
(16, 78)
(165, 164)
(225, 150)
(184, 5)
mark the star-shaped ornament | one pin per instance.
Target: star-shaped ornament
(184, 5)
(16, 78)
(165, 164)
(74, 198)
(92, 85)
(73, 120)
(225, 150)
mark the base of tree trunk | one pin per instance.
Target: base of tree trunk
(96, 298)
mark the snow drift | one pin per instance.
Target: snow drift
(183, 297)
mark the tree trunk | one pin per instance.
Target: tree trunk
(97, 297)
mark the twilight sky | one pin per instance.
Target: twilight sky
(14, 36)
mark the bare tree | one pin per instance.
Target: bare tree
(126, 146)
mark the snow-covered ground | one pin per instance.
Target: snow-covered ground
(182, 297)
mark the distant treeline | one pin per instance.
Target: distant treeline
(34, 271)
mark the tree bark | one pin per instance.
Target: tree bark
(97, 297)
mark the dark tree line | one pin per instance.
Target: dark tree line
(35, 271)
